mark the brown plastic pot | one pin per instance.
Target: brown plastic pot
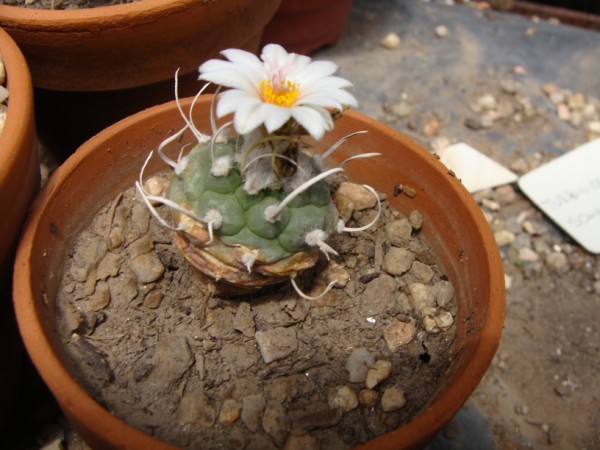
(19, 180)
(303, 26)
(109, 163)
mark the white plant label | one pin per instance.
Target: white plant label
(476, 170)
(567, 189)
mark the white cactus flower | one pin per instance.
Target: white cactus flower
(277, 87)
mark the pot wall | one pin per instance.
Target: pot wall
(302, 26)
(133, 44)
(19, 180)
(19, 168)
(454, 226)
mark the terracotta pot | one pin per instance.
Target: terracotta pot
(302, 26)
(133, 44)
(19, 180)
(109, 163)
(19, 167)
(92, 67)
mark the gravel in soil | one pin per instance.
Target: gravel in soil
(164, 352)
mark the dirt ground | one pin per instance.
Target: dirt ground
(435, 84)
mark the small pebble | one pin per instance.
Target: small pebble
(100, 299)
(378, 372)
(276, 343)
(504, 237)
(301, 441)
(153, 299)
(557, 261)
(391, 41)
(421, 296)
(490, 204)
(368, 397)
(398, 261)
(401, 110)
(444, 320)
(392, 399)
(147, 268)
(156, 186)
(358, 364)
(594, 127)
(252, 409)
(441, 31)
(416, 219)
(443, 292)
(195, 408)
(343, 398)
(528, 255)
(276, 422)
(360, 196)
(428, 321)
(398, 231)
(486, 102)
(230, 411)
(399, 333)
(422, 272)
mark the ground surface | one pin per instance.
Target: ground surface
(542, 390)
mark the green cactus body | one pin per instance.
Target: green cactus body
(243, 239)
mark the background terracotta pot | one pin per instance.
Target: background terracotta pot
(19, 180)
(302, 26)
(133, 44)
(454, 225)
(94, 66)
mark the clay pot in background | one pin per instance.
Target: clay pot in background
(109, 163)
(92, 67)
(303, 26)
(19, 180)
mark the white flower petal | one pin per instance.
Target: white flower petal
(248, 118)
(242, 58)
(230, 77)
(329, 83)
(249, 64)
(328, 99)
(233, 99)
(316, 70)
(317, 88)
(276, 116)
(312, 121)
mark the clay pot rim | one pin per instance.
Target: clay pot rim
(18, 80)
(432, 417)
(87, 19)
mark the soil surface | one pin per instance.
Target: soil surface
(164, 352)
(63, 4)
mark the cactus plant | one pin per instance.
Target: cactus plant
(254, 207)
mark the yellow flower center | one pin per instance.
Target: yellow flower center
(285, 94)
